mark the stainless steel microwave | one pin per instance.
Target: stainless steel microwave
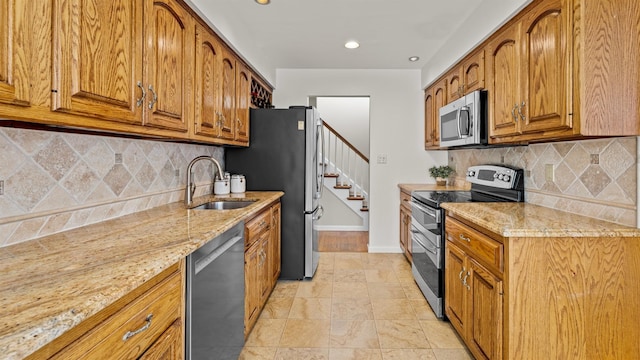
(463, 122)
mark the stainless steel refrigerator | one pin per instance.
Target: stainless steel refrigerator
(285, 153)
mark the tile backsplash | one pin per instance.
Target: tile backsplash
(595, 178)
(55, 181)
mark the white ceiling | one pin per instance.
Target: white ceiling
(311, 33)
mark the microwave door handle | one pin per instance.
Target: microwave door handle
(466, 109)
(458, 122)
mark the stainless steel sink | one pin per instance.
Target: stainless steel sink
(224, 205)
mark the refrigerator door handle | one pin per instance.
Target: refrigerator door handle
(321, 184)
(319, 212)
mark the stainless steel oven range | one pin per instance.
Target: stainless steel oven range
(489, 183)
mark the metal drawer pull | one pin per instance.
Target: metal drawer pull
(131, 334)
(140, 101)
(464, 281)
(465, 238)
(154, 100)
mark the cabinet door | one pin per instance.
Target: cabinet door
(228, 93)
(97, 59)
(251, 287)
(264, 270)
(207, 83)
(439, 100)
(169, 345)
(168, 64)
(454, 84)
(504, 89)
(485, 312)
(15, 33)
(430, 120)
(546, 68)
(473, 73)
(456, 292)
(243, 95)
(275, 248)
(405, 232)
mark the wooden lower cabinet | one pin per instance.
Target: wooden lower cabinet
(147, 324)
(261, 262)
(405, 224)
(474, 303)
(535, 297)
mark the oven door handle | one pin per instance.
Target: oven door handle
(431, 212)
(422, 245)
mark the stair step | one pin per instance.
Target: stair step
(364, 209)
(342, 187)
(330, 175)
(355, 197)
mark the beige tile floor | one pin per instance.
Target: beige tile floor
(358, 306)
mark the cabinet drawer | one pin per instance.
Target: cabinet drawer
(144, 320)
(481, 246)
(256, 226)
(405, 200)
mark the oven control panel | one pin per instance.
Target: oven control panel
(495, 176)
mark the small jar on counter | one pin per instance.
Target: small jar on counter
(238, 183)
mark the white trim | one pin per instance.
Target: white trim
(341, 228)
(385, 249)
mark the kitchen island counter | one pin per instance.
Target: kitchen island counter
(51, 284)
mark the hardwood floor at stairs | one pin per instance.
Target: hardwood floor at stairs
(343, 241)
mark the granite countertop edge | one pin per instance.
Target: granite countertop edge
(529, 220)
(53, 283)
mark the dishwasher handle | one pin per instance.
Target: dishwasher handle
(207, 259)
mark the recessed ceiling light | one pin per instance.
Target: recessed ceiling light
(351, 45)
(263, 2)
(414, 58)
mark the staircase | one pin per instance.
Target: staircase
(346, 173)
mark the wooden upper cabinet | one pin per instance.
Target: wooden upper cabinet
(243, 102)
(430, 118)
(168, 64)
(504, 90)
(228, 95)
(439, 100)
(546, 79)
(207, 83)
(15, 52)
(454, 85)
(530, 76)
(97, 59)
(472, 72)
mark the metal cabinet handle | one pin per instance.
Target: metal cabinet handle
(464, 281)
(461, 272)
(154, 100)
(131, 334)
(520, 111)
(140, 101)
(513, 113)
(465, 238)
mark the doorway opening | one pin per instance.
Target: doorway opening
(345, 224)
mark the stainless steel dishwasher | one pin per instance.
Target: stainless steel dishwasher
(215, 298)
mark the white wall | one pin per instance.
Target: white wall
(479, 25)
(349, 116)
(396, 129)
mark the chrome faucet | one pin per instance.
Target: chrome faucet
(191, 187)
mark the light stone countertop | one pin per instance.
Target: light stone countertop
(408, 188)
(527, 220)
(51, 284)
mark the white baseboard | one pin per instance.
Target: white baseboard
(341, 228)
(385, 249)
